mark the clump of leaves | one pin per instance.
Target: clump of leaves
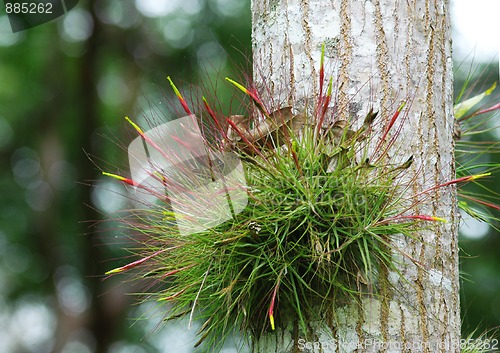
(324, 200)
(475, 152)
(473, 122)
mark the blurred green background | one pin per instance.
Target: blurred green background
(65, 87)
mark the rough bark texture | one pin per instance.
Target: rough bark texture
(380, 52)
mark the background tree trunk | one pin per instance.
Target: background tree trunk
(380, 52)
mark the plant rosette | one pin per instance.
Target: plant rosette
(256, 222)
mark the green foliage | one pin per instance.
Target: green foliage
(308, 237)
(478, 200)
(325, 201)
(477, 151)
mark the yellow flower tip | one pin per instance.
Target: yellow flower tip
(120, 178)
(477, 176)
(439, 219)
(113, 271)
(134, 125)
(237, 85)
(330, 84)
(271, 318)
(113, 176)
(179, 96)
(322, 58)
(491, 89)
(401, 106)
(177, 93)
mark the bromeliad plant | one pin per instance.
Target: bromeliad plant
(324, 201)
(473, 120)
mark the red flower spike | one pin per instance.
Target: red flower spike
(418, 217)
(464, 179)
(134, 264)
(321, 71)
(270, 312)
(133, 183)
(252, 94)
(395, 116)
(119, 177)
(326, 102)
(391, 123)
(146, 138)
(488, 204)
(179, 97)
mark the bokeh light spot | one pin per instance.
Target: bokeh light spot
(157, 8)
(472, 228)
(112, 89)
(77, 26)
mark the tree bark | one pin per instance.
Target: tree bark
(380, 52)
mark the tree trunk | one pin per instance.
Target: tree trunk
(380, 52)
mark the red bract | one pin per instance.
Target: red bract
(464, 179)
(135, 263)
(179, 96)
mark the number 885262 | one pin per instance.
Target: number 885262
(28, 7)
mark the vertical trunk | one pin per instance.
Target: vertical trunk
(380, 52)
